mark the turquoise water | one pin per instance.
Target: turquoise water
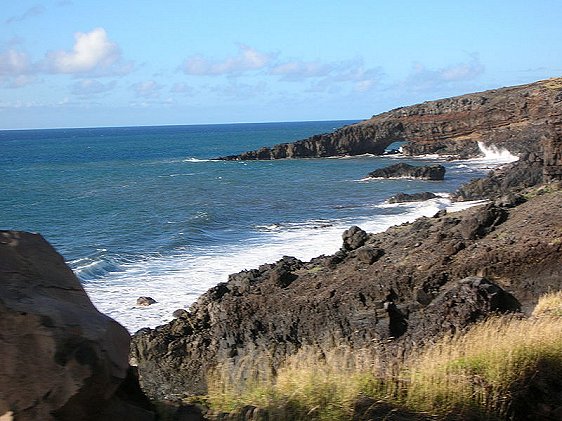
(146, 211)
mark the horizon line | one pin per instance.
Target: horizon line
(173, 125)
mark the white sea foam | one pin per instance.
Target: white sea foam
(191, 159)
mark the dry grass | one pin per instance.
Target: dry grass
(310, 385)
(479, 373)
(549, 305)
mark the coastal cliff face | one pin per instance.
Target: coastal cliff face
(61, 358)
(407, 285)
(514, 118)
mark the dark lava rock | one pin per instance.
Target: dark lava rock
(180, 312)
(514, 118)
(415, 197)
(145, 301)
(506, 180)
(459, 304)
(402, 170)
(482, 223)
(354, 238)
(61, 358)
(411, 283)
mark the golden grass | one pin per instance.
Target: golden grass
(311, 384)
(549, 305)
(477, 373)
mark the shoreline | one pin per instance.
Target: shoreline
(319, 237)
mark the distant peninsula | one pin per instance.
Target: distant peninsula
(514, 118)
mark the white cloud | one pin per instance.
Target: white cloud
(87, 87)
(297, 70)
(332, 77)
(182, 88)
(147, 89)
(422, 78)
(20, 81)
(93, 52)
(247, 59)
(14, 63)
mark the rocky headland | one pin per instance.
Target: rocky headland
(514, 118)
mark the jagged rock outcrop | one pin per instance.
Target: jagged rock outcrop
(409, 284)
(414, 197)
(402, 170)
(505, 180)
(515, 118)
(61, 358)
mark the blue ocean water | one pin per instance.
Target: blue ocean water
(146, 211)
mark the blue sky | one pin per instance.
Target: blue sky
(70, 63)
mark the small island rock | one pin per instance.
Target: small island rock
(402, 170)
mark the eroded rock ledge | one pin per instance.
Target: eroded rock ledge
(514, 118)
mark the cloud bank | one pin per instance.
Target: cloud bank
(247, 59)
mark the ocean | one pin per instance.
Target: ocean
(146, 211)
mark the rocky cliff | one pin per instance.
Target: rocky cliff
(515, 118)
(61, 358)
(403, 286)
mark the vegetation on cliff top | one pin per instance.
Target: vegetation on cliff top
(495, 369)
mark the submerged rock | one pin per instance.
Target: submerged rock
(61, 358)
(145, 301)
(402, 170)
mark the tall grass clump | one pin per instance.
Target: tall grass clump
(311, 384)
(487, 370)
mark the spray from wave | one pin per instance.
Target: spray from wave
(496, 154)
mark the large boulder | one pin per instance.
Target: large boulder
(61, 358)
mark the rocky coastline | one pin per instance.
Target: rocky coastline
(391, 292)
